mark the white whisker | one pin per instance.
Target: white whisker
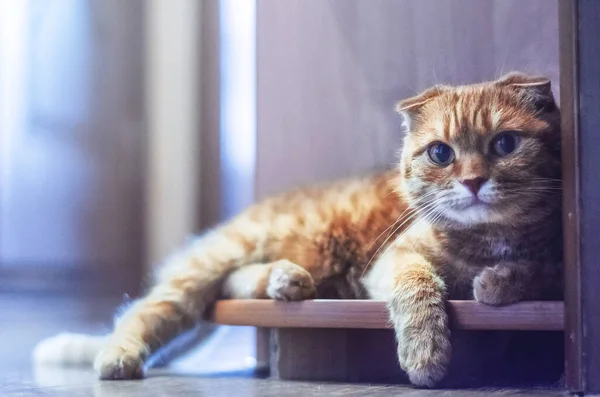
(399, 219)
(412, 215)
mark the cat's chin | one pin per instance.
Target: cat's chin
(474, 214)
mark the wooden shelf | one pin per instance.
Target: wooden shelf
(368, 314)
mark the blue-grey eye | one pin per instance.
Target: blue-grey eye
(505, 143)
(440, 153)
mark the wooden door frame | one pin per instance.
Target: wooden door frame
(580, 103)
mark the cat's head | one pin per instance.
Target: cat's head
(482, 154)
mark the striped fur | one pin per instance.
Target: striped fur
(408, 236)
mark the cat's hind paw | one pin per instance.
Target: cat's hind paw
(115, 363)
(290, 282)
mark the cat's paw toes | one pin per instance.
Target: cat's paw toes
(426, 377)
(494, 286)
(115, 363)
(425, 359)
(290, 282)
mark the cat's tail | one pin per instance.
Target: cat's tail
(188, 283)
(80, 350)
(68, 349)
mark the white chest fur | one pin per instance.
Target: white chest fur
(501, 249)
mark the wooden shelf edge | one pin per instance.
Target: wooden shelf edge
(368, 314)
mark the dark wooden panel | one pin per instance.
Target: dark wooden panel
(479, 358)
(580, 62)
(570, 104)
(263, 342)
(309, 354)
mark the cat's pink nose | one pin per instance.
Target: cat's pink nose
(474, 184)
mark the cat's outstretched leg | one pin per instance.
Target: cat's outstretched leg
(418, 313)
(416, 302)
(187, 284)
(282, 280)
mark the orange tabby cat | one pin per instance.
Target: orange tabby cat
(472, 210)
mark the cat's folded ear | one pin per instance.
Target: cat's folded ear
(409, 108)
(535, 89)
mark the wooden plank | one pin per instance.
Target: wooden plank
(580, 101)
(368, 314)
(524, 316)
(305, 314)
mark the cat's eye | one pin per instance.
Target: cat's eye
(505, 143)
(440, 153)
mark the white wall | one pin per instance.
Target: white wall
(172, 84)
(71, 171)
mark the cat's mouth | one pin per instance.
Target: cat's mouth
(472, 203)
(478, 204)
(471, 211)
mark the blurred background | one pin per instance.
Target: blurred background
(126, 126)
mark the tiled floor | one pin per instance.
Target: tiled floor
(208, 372)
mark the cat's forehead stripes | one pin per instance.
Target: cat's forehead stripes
(463, 113)
(470, 110)
(466, 115)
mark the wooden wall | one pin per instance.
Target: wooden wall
(329, 72)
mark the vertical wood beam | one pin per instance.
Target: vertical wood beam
(579, 24)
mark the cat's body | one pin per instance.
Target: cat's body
(333, 231)
(473, 211)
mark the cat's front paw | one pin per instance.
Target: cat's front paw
(116, 363)
(424, 355)
(495, 286)
(290, 282)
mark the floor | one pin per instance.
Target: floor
(221, 368)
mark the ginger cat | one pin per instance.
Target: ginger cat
(473, 210)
